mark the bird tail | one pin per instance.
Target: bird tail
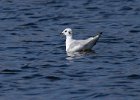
(96, 38)
(99, 33)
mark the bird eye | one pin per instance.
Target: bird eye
(69, 32)
(66, 31)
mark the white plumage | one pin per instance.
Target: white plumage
(73, 45)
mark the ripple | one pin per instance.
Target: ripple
(92, 8)
(33, 41)
(53, 78)
(33, 60)
(100, 95)
(10, 71)
(126, 8)
(133, 76)
(32, 76)
(27, 25)
(134, 31)
(11, 48)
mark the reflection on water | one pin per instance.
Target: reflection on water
(35, 66)
(77, 55)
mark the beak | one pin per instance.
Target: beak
(61, 33)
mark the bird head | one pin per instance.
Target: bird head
(67, 32)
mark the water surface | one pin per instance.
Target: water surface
(35, 66)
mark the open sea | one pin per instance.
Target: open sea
(35, 66)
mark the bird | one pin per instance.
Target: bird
(73, 45)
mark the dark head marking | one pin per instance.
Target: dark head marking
(69, 32)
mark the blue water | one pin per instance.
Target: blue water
(35, 66)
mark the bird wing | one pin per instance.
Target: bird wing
(92, 41)
(78, 45)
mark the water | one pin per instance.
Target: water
(35, 66)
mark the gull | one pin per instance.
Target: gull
(73, 45)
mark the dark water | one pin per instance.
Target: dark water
(35, 66)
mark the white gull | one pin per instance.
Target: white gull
(73, 45)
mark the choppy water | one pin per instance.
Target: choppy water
(33, 62)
